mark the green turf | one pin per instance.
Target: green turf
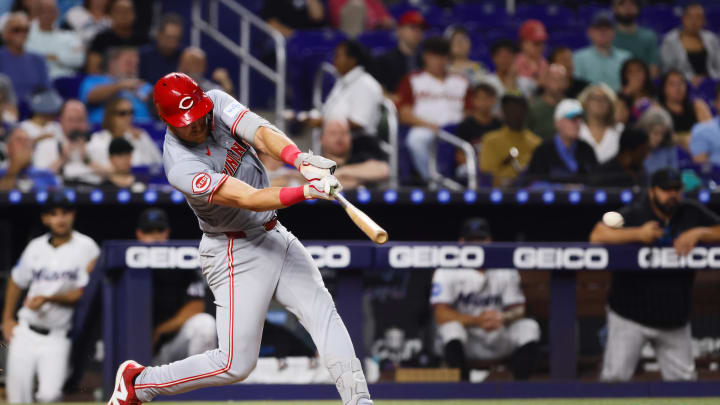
(628, 401)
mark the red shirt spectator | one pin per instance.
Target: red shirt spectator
(530, 62)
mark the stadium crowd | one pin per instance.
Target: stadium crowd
(73, 86)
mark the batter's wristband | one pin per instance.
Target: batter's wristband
(289, 154)
(292, 195)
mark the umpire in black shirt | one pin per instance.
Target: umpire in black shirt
(654, 306)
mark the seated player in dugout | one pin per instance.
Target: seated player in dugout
(480, 314)
(53, 269)
(181, 327)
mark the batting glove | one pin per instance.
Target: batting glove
(324, 188)
(314, 167)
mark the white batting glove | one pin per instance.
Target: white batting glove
(314, 167)
(324, 188)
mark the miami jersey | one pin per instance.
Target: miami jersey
(47, 270)
(471, 292)
(198, 170)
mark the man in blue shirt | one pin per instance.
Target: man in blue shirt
(601, 62)
(705, 138)
(27, 71)
(119, 81)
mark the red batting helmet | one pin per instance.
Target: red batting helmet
(179, 100)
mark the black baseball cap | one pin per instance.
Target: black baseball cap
(153, 219)
(475, 228)
(666, 179)
(120, 146)
(57, 199)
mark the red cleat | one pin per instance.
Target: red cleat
(124, 392)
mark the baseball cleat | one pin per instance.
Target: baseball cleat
(124, 392)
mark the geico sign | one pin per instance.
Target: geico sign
(560, 258)
(333, 257)
(162, 257)
(401, 257)
(667, 258)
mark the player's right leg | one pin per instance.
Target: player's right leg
(622, 349)
(242, 274)
(675, 355)
(454, 338)
(197, 335)
(52, 367)
(21, 366)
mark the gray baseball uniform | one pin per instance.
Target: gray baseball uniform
(245, 273)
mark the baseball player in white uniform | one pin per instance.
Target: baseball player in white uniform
(247, 257)
(53, 269)
(480, 314)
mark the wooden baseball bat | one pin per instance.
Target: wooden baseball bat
(364, 222)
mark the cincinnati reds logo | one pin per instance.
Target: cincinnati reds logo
(186, 103)
(201, 183)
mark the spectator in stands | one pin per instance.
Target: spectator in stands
(429, 100)
(637, 87)
(26, 70)
(530, 62)
(361, 161)
(88, 19)
(601, 61)
(8, 101)
(77, 166)
(392, 66)
(480, 119)
(353, 17)
(705, 138)
(162, 56)
(119, 173)
(626, 168)
(287, 16)
(675, 98)
(554, 85)
(117, 123)
(121, 80)
(460, 63)
(505, 79)
(654, 307)
(120, 34)
(565, 158)
(691, 49)
(24, 6)
(53, 270)
(18, 161)
(44, 131)
(598, 127)
(63, 50)
(181, 327)
(193, 63)
(356, 95)
(480, 314)
(280, 174)
(564, 56)
(506, 152)
(656, 122)
(641, 42)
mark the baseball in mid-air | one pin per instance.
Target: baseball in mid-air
(613, 219)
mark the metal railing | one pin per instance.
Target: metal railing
(470, 163)
(241, 48)
(390, 147)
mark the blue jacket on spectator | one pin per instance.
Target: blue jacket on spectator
(27, 72)
(141, 113)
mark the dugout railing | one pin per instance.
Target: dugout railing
(123, 276)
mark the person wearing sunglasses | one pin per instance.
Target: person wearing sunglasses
(27, 71)
(117, 123)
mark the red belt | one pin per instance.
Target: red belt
(269, 226)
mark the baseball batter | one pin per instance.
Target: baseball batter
(53, 269)
(480, 314)
(247, 257)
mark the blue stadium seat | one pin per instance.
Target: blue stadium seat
(156, 130)
(485, 15)
(661, 18)
(705, 91)
(551, 15)
(68, 87)
(574, 39)
(378, 42)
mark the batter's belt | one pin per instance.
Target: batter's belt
(269, 226)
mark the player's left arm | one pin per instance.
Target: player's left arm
(687, 240)
(68, 298)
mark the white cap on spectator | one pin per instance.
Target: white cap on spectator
(568, 108)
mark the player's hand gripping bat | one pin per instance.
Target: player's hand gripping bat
(364, 222)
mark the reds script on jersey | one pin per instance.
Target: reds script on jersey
(198, 170)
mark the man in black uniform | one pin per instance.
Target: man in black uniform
(654, 306)
(181, 328)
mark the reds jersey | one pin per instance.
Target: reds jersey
(471, 292)
(439, 101)
(47, 270)
(199, 170)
